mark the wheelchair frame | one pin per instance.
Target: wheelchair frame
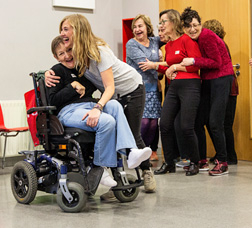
(64, 167)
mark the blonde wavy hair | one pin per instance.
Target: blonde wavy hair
(147, 22)
(85, 43)
(216, 27)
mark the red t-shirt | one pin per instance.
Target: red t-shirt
(176, 51)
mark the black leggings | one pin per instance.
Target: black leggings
(228, 126)
(183, 95)
(133, 104)
(212, 111)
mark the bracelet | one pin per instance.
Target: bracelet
(98, 106)
(157, 66)
(175, 68)
(193, 61)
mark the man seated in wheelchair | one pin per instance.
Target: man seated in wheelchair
(76, 108)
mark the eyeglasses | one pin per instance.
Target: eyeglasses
(189, 27)
(162, 22)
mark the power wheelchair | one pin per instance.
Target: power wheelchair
(64, 166)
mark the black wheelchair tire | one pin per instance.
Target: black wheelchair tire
(127, 195)
(79, 201)
(24, 182)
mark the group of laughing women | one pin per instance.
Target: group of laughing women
(197, 66)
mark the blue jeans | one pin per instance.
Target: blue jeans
(113, 133)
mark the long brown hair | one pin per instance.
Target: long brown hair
(85, 43)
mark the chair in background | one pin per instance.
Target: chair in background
(8, 132)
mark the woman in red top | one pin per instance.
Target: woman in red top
(183, 93)
(216, 72)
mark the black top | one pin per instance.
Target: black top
(63, 93)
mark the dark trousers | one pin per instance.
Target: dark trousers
(228, 127)
(180, 138)
(183, 95)
(212, 110)
(180, 152)
(154, 144)
(133, 104)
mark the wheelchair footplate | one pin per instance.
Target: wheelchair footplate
(126, 184)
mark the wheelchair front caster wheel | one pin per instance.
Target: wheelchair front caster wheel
(24, 182)
(79, 198)
(129, 194)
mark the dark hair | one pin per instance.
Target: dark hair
(188, 15)
(55, 43)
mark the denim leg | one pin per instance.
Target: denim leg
(124, 136)
(105, 139)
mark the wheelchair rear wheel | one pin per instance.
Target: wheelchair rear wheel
(79, 198)
(129, 194)
(24, 182)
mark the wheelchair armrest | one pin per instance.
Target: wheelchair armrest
(42, 108)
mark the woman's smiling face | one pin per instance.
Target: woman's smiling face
(64, 56)
(194, 29)
(140, 30)
(67, 33)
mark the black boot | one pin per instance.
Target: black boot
(193, 169)
(165, 168)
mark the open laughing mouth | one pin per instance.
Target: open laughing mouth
(69, 60)
(138, 34)
(66, 39)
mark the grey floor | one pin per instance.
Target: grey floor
(199, 201)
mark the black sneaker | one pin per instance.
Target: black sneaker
(192, 170)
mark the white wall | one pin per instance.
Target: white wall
(28, 26)
(131, 8)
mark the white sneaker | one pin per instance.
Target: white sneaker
(107, 180)
(149, 181)
(137, 156)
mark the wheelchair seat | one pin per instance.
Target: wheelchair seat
(80, 135)
(50, 131)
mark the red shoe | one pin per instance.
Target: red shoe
(154, 156)
(219, 169)
(203, 165)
